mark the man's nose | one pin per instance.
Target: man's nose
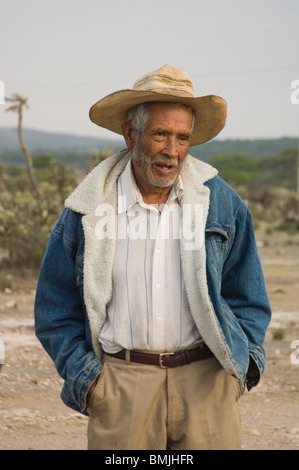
(171, 147)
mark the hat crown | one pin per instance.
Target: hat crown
(167, 84)
(166, 80)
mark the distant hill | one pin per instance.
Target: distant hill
(67, 146)
(257, 148)
(40, 142)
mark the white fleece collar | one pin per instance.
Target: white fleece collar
(98, 185)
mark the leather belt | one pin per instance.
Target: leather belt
(167, 359)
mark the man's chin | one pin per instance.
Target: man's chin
(161, 182)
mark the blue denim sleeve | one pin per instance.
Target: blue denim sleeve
(243, 288)
(61, 323)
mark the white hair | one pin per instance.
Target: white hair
(139, 115)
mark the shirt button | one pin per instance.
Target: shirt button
(158, 285)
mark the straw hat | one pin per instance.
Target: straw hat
(168, 84)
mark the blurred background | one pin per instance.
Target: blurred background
(56, 60)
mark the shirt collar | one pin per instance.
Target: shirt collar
(129, 193)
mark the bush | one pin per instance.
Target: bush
(25, 220)
(278, 334)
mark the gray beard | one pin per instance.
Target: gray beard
(143, 162)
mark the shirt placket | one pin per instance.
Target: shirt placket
(158, 286)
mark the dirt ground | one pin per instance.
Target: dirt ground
(32, 415)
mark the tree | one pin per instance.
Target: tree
(19, 102)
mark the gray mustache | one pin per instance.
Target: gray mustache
(173, 163)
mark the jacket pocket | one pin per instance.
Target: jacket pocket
(216, 240)
(234, 324)
(217, 236)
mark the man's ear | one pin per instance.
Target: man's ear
(129, 133)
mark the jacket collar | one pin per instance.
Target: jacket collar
(100, 184)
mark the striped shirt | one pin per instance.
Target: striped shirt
(149, 309)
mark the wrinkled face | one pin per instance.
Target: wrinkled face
(159, 151)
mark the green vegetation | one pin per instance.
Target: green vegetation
(26, 220)
(278, 171)
(278, 334)
(268, 185)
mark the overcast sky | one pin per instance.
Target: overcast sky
(66, 54)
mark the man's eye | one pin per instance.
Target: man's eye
(184, 140)
(160, 135)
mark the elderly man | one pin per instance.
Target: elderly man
(151, 298)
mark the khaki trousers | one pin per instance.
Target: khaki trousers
(144, 407)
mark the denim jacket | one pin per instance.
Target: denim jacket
(222, 273)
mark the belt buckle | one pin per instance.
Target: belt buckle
(161, 356)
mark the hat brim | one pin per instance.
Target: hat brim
(210, 111)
